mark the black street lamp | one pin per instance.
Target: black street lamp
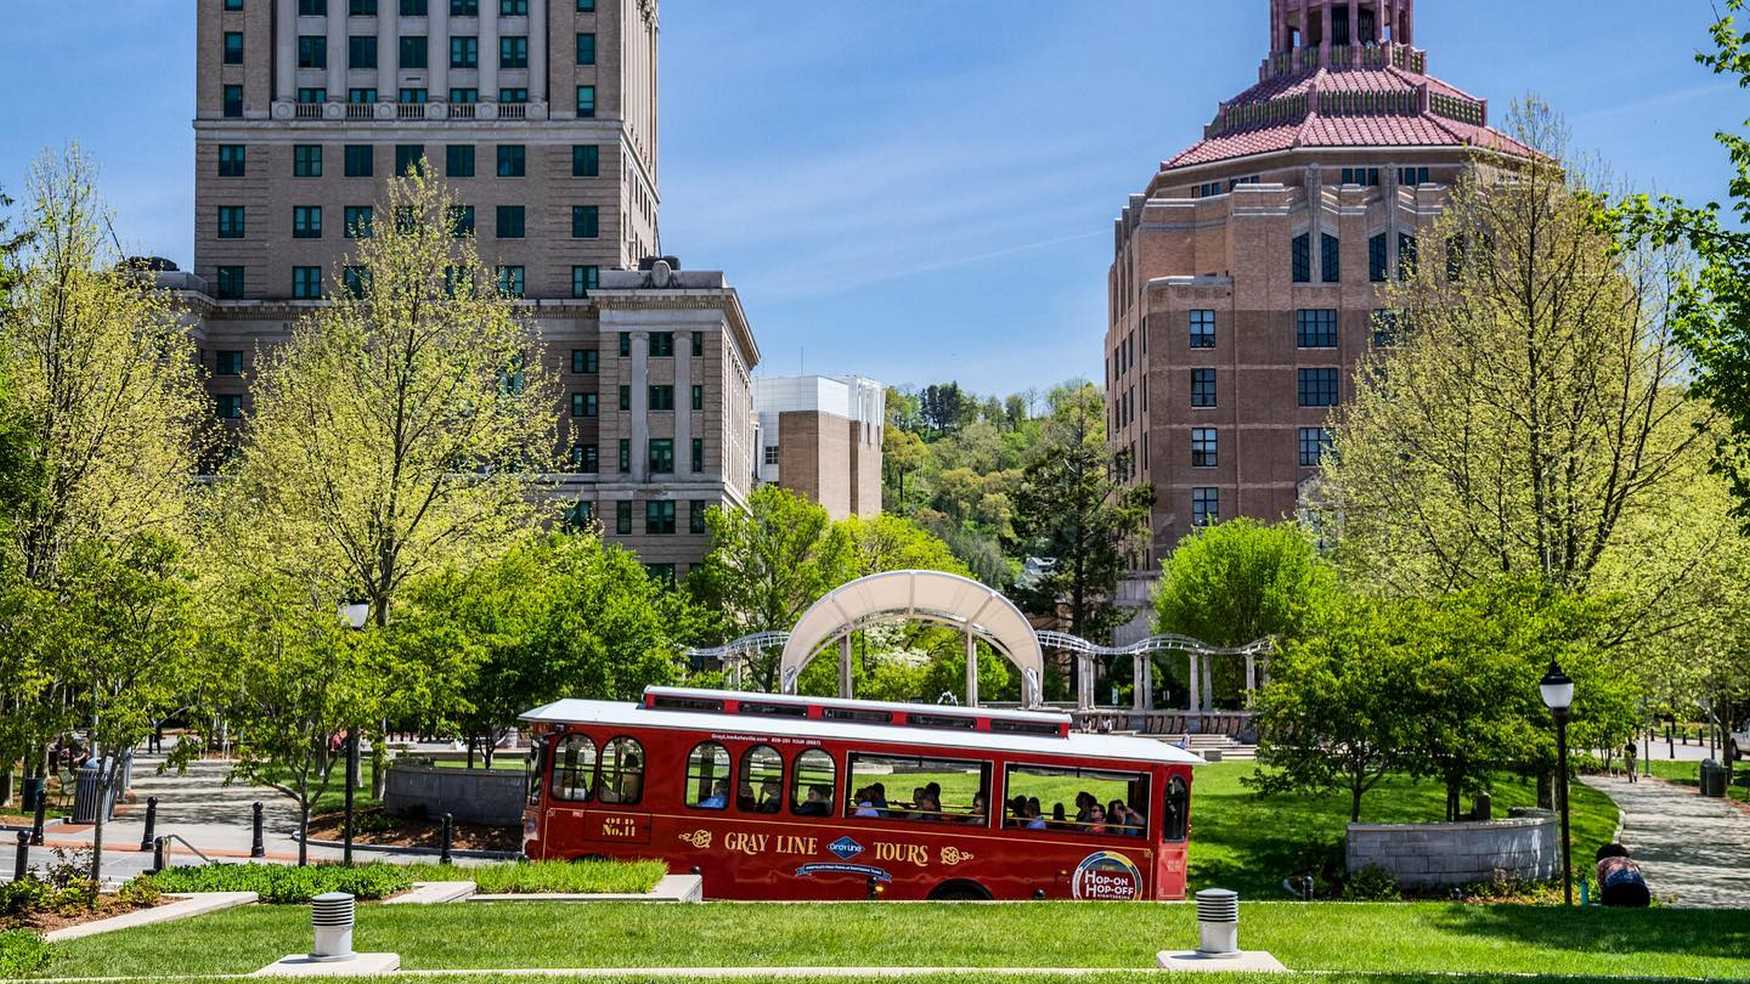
(355, 616)
(1558, 696)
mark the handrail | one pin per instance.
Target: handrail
(178, 837)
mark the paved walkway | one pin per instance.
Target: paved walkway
(197, 806)
(1694, 851)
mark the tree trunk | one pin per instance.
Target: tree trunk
(1546, 795)
(487, 753)
(1355, 803)
(470, 751)
(380, 765)
(97, 830)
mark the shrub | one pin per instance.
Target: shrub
(21, 952)
(1372, 884)
(283, 885)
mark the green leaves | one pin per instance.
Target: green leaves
(1240, 581)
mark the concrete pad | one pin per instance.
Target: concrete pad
(433, 893)
(188, 906)
(361, 965)
(672, 888)
(1252, 961)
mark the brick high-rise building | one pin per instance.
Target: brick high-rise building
(1242, 288)
(542, 115)
(820, 437)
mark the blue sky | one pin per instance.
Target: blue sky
(917, 190)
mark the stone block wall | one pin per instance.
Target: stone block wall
(471, 795)
(1435, 854)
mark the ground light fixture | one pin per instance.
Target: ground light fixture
(1558, 695)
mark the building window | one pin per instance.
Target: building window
(464, 8)
(513, 52)
(1315, 328)
(307, 161)
(623, 516)
(662, 344)
(459, 160)
(311, 94)
(586, 102)
(1314, 442)
(356, 280)
(591, 460)
(231, 222)
(513, 8)
(467, 96)
(516, 95)
(1406, 256)
(307, 222)
(312, 51)
(409, 157)
(362, 8)
(582, 513)
(229, 406)
(1413, 175)
(586, 161)
(412, 97)
(1303, 258)
(585, 362)
(583, 404)
(1385, 328)
(414, 52)
(233, 101)
(585, 279)
(698, 455)
(625, 344)
(1316, 387)
(357, 222)
(233, 4)
(1202, 329)
(415, 8)
(698, 344)
(1203, 387)
(228, 364)
(771, 454)
(361, 51)
(698, 397)
(1367, 177)
(625, 455)
(586, 49)
(586, 222)
(1376, 259)
(230, 282)
(307, 283)
(510, 281)
(234, 47)
(232, 160)
(1330, 258)
(461, 221)
(1205, 507)
(512, 160)
(586, 6)
(625, 397)
(1209, 189)
(1203, 447)
(464, 52)
(659, 515)
(696, 515)
(361, 97)
(661, 397)
(358, 160)
(510, 222)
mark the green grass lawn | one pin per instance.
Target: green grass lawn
(1418, 938)
(992, 977)
(1249, 843)
(1689, 774)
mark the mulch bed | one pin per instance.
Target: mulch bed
(385, 830)
(106, 907)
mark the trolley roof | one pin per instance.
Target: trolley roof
(638, 715)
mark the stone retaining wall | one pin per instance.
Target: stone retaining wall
(1427, 854)
(470, 795)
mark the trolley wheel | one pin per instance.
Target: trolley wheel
(960, 891)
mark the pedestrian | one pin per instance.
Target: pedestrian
(1628, 756)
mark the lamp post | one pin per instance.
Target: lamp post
(354, 616)
(1558, 696)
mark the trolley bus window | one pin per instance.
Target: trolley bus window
(708, 777)
(762, 781)
(537, 760)
(1175, 819)
(812, 794)
(924, 789)
(574, 768)
(1093, 801)
(622, 772)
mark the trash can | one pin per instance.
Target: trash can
(85, 796)
(1713, 779)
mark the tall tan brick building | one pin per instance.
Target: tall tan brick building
(1242, 287)
(542, 114)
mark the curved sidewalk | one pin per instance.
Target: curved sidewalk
(1695, 852)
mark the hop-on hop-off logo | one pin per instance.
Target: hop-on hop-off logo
(1106, 876)
(845, 848)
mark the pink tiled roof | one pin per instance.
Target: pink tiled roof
(1384, 129)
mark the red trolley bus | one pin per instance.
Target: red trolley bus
(783, 797)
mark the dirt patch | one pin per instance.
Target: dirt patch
(381, 829)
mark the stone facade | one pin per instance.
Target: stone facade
(1242, 291)
(820, 437)
(1434, 854)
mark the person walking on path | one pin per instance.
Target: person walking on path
(1628, 755)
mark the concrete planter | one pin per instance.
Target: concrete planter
(1441, 854)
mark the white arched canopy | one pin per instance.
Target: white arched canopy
(933, 596)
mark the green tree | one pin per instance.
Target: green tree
(902, 454)
(1071, 508)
